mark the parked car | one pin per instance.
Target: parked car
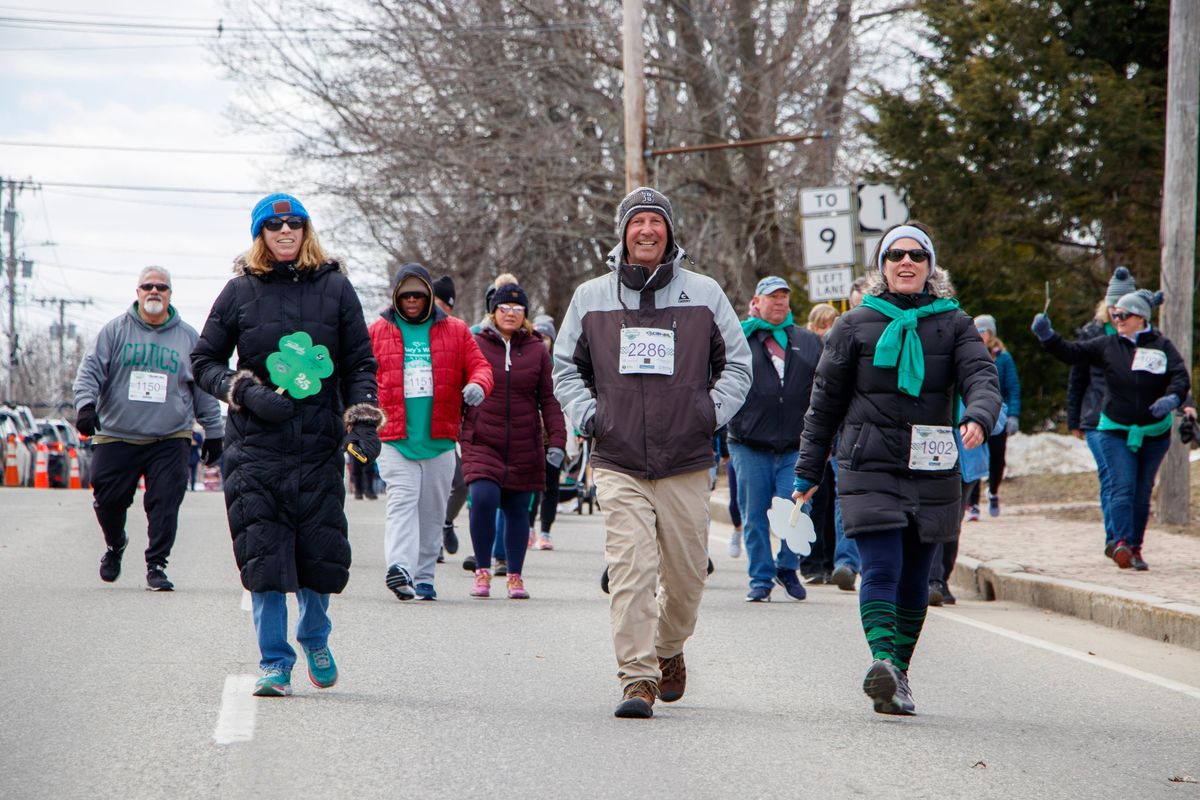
(22, 420)
(13, 440)
(59, 465)
(83, 449)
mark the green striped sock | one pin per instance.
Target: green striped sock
(909, 622)
(879, 624)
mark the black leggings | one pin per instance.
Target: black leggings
(548, 500)
(996, 446)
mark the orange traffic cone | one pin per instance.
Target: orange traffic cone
(11, 476)
(142, 483)
(41, 469)
(74, 481)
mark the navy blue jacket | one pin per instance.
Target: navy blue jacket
(772, 418)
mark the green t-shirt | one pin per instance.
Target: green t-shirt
(418, 395)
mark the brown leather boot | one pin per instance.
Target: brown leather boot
(674, 678)
(638, 701)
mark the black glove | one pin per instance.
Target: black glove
(364, 438)
(86, 420)
(210, 451)
(263, 402)
(1187, 431)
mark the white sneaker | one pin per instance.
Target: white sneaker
(735, 543)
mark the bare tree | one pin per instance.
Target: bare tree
(479, 137)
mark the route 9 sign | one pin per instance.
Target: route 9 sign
(828, 241)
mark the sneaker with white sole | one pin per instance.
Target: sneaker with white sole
(275, 682)
(157, 580)
(400, 582)
(735, 543)
(544, 543)
(322, 670)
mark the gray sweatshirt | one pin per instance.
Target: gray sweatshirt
(140, 378)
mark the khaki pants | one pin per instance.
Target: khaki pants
(656, 533)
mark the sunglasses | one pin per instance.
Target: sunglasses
(505, 308)
(1121, 316)
(412, 296)
(161, 287)
(275, 223)
(896, 255)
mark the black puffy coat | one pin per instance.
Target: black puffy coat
(1085, 386)
(876, 488)
(283, 482)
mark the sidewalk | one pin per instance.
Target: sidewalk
(1059, 565)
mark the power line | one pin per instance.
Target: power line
(131, 149)
(178, 189)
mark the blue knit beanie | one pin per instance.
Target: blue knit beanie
(275, 205)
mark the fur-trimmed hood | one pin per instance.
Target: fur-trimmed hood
(938, 285)
(242, 267)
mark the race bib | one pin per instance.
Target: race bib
(1152, 361)
(933, 448)
(418, 380)
(647, 351)
(148, 387)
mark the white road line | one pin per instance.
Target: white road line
(236, 722)
(1157, 680)
(247, 602)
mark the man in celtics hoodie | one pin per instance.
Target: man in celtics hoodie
(135, 396)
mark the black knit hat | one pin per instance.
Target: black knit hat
(443, 289)
(508, 293)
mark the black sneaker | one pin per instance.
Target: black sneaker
(469, 564)
(790, 583)
(844, 578)
(935, 593)
(110, 564)
(501, 567)
(882, 684)
(450, 539)
(947, 598)
(710, 567)
(157, 580)
(604, 581)
(400, 582)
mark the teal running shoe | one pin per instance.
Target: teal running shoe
(322, 671)
(273, 683)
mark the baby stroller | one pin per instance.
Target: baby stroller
(575, 481)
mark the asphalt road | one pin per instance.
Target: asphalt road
(113, 691)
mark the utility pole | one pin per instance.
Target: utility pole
(634, 95)
(10, 263)
(62, 303)
(1178, 229)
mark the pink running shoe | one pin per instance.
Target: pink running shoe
(544, 542)
(532, 540)
(483, 583)
(516, 587)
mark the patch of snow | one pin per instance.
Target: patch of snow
(1043, 453)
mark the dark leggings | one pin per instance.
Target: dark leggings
(486, 497)
(895, 567)
(996, 446)
(548, 500)
(735, 513)
(458, 493)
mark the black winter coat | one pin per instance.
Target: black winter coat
(772, 417)
(1085, 386)
(876, 488)
(283, 481)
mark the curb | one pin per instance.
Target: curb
(1145, 615)
(1132, 612)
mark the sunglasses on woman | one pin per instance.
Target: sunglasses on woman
(275, 223)
(1121, 316)
(896, 255)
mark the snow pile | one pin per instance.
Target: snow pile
(1044, 453)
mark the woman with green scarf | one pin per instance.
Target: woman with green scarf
(889, 379)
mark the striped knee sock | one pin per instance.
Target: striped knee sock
(909, 622)
(879, 624)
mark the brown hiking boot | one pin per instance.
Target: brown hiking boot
(638, 702)
(674, 678)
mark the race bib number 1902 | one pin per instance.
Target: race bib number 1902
(933, 448)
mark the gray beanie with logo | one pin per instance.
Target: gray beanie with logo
(1119, 285)
(644, 198)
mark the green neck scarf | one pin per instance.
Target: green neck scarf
(896, 348)
(751, 325)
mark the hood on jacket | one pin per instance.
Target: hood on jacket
(938, 285)
(633, 276)
(414, 270)
(242, 267)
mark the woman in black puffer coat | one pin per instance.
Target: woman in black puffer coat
(888, 379)
(284, 458)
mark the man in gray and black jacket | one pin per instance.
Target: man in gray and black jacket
(650, 361)
(136, 397)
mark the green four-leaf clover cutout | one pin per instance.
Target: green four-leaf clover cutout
(299, 365)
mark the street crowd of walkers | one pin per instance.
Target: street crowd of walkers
(883, 422)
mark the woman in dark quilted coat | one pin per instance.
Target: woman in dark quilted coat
(504, 454)
(284, 456)
(888, 381)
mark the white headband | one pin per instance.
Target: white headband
(908, 232)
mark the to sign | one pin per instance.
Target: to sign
(828, 241)
(828, 200)
(829, 284)
(880, 207)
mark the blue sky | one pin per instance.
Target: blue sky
(64, 87)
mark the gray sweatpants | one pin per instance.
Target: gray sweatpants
(416, 509)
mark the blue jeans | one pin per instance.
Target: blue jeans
(1093, 438)
(846, 551)
(762, 476)
(271, 625)
(1131, 477)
